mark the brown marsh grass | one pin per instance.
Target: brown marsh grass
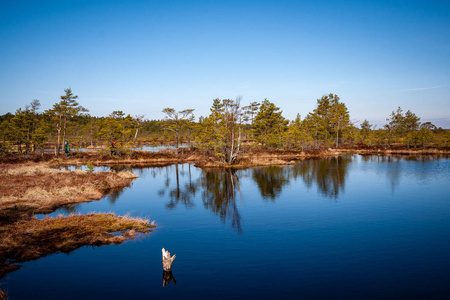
(30, 188)
(36, 188)
(30, 239)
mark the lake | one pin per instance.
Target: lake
(353, 227)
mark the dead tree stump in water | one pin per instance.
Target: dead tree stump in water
(167, 260)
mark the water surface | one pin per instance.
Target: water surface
(348, 228)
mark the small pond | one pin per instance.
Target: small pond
(353, 227)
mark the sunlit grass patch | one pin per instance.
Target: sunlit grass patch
(30, 238)
(37, 188)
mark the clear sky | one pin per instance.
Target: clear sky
(143, 56)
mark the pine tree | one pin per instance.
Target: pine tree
(270, 124)
(63, 111)
(366, 128)
(339, 117)
(250, 112)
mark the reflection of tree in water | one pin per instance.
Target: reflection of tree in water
(180, 193)
(329, 174)
(270, 181)
(392, 170)
(220, 188)
(397, 167)
(113, 196)
(69, 209)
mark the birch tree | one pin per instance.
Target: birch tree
(221, 131)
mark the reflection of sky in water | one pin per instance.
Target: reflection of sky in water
(354, 227)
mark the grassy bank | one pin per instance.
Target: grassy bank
(251, 156)
(30, 188)
(30, 238)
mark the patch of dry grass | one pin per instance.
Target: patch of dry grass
(127, 175)
(30, 238)
(28, 189)
(31, 188)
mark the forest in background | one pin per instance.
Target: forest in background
(230, 128)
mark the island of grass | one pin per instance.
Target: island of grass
(31, 188)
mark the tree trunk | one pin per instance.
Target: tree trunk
(337, 135)
(232, 148)
(59, 137)
(167, 260)
(135, 135)
(176, 145)
(58, 128)
(27, 145)
(189, 139)
(64, 131)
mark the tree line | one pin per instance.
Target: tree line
(230, 128)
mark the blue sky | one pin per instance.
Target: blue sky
(143, 56)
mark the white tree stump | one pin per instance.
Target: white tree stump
(167, 260)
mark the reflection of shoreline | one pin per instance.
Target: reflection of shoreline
(219, 188)
(181, 193)
(394, 166)
(270, 181)
(328, 174)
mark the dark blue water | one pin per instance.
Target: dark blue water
(349, 228)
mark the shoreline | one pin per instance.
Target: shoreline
(252, 158)
(141, 158)
(35, 188)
